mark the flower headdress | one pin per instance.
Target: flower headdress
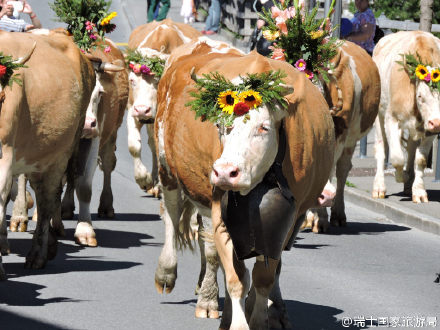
(417, 70)
(7, 67)
(220, 101)
(299, 38)
(144, 65)
(87, 20)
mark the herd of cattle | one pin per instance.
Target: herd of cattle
(62, 121)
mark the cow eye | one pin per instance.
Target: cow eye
(263, 129)
(132, 82)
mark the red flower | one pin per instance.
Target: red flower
(241, 108)
(2, 70)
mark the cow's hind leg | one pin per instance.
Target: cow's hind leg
(108, 164)
(155, 190)
(207, 301)
(5, 187)
(84, 233)
(47, 187)
(171, 210)
(380, 143)
(19, 218)
(343, 166)
(397, 156)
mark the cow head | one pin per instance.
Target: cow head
(428, 104)
(144, 90)
(249, 148)
(91, 125)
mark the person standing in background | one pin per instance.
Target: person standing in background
(364, 26)
(213, 20)
(163, 12)
(10, 20)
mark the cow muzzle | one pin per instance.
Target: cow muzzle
(434, 126)
(142, 112)
(326, 198)
(226, 176)
(90, 129)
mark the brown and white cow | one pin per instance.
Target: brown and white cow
(188, 149)
(155, 39)
(407, 107)
(40, 125)
(353, 95)
(106, 109)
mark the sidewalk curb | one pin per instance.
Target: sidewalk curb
(394, 212)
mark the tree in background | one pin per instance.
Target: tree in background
(426, 15)
(405, 10)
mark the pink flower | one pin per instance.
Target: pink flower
(92, 36)
(107, 49)
(137, 68)
(88, 23)
(309, 74)
(89, 27)
(281, 24)
(278, 53)
(131, 66)
(301, 65)
(428, 77)
(145, 69)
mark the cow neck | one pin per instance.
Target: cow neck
(324, 88)
(2, 99)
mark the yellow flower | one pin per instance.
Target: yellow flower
(227, 100)
(435, 75)
(421, 72)
(317, 34)
(106, 20)
(251, 98)
(271, 35)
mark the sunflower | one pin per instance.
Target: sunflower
(227, 100)
(421, 72)
(251, 98)
(435, 75)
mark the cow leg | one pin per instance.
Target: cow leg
(343, 166)
(155, 190)
(419, 194)
(84, 233)
(207, 302)
(5, 187)
(379, 189)
(171, 210)
(316, 220)
(108, 164)
(142, 176)
(47, 187)
(236, 274)
(19, 218)
(397, 156)
(68, 202)
(263, 279)
(411, 149)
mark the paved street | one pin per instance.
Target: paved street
(373, 268)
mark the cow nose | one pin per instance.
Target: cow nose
(225, 174)
(434, 125)
(142, 109)
(90, 122)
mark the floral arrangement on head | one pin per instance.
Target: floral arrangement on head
(417, 70)
(139, 64)
(7, 67)
(299, 38)
(87, 20)
(220, 101)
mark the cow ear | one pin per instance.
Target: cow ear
(193, 75)
(287, 90)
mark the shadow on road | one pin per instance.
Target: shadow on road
(312, 317)
(362, 228)
(12, 321)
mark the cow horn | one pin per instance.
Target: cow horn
(193, 75)
(92, 58)
(24, 59)
(110, 67)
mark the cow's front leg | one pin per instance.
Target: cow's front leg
(108, 164)
(5, 187)
(397, 156)
(316, 220)
(171, 210)
(142, 176)
(380, 143)
(19, 218)
(343, 166)
(207, 301)
(236, 274)
(419, 194)
(84, 233)
(155, 190)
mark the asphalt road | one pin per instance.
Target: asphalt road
(372, 268)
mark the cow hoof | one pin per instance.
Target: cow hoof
(18, 223)
(203, 313)
(13, 226)
(23, 227)
(4, 245)
(420, 197)
(35, 215)
(58, 229)
(378, 194)
(164, 279)
(52, 248)
(105, 213)
(338, 221)
(35, 262)
(155, 191)
(85, 235)
(145, 181)
(320, 226)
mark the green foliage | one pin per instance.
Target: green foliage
(404, 10)
(7, 68)
(205, 102)
(349, 184)
(154, 63)
(306, 38)
(79, 14)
